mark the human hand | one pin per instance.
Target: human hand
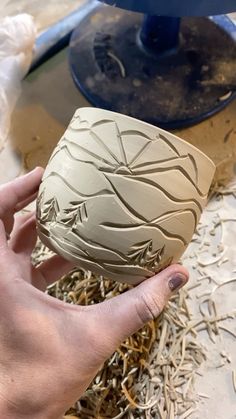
(49, 350)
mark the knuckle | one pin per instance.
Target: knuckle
(148, 307)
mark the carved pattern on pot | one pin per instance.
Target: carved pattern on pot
(142, 254)
(121, 199)
(75, 214)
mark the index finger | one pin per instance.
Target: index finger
(19, 190)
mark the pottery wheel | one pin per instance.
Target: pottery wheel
(182, 87)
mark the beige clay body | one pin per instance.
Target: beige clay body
(120, 197)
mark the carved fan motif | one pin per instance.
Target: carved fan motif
(127, 150)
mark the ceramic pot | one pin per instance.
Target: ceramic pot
(120, 197)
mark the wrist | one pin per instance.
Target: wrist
(21, 399)
(25, 410)
(6, 413)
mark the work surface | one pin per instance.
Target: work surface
(48, 101)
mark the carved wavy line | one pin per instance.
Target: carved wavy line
(194, 165)
(55, 240)
(97, 245)
(90, 259)
(170, 196)
(90, 153)
(169, 169)
(70, 245)
(104, 192)
(140, 153)
(134, 213)
(165, 233)
(64, 147)
(168, 215)
(57, 149)
(79, 257)
(163, 138)
(78, 129)
(102, 121)
(168, 235)
(144, 274)
(159, 161)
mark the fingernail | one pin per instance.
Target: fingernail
(177, 282)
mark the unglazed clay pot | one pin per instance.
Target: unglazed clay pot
(120, 197)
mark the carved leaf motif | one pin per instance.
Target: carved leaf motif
(76, 213)
(49, 210)
(142, 254)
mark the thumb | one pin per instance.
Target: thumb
(123, 315)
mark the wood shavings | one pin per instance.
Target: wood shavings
(222, 261)
(150, 368)
(226, 357)
(227, 135)
(210, 261)
(204, 396)
(148, 406)
(230, 281)
(118, 61)
(188, 413)
(201, 278)
(226, 96)
(228, 331)
(42, 253)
